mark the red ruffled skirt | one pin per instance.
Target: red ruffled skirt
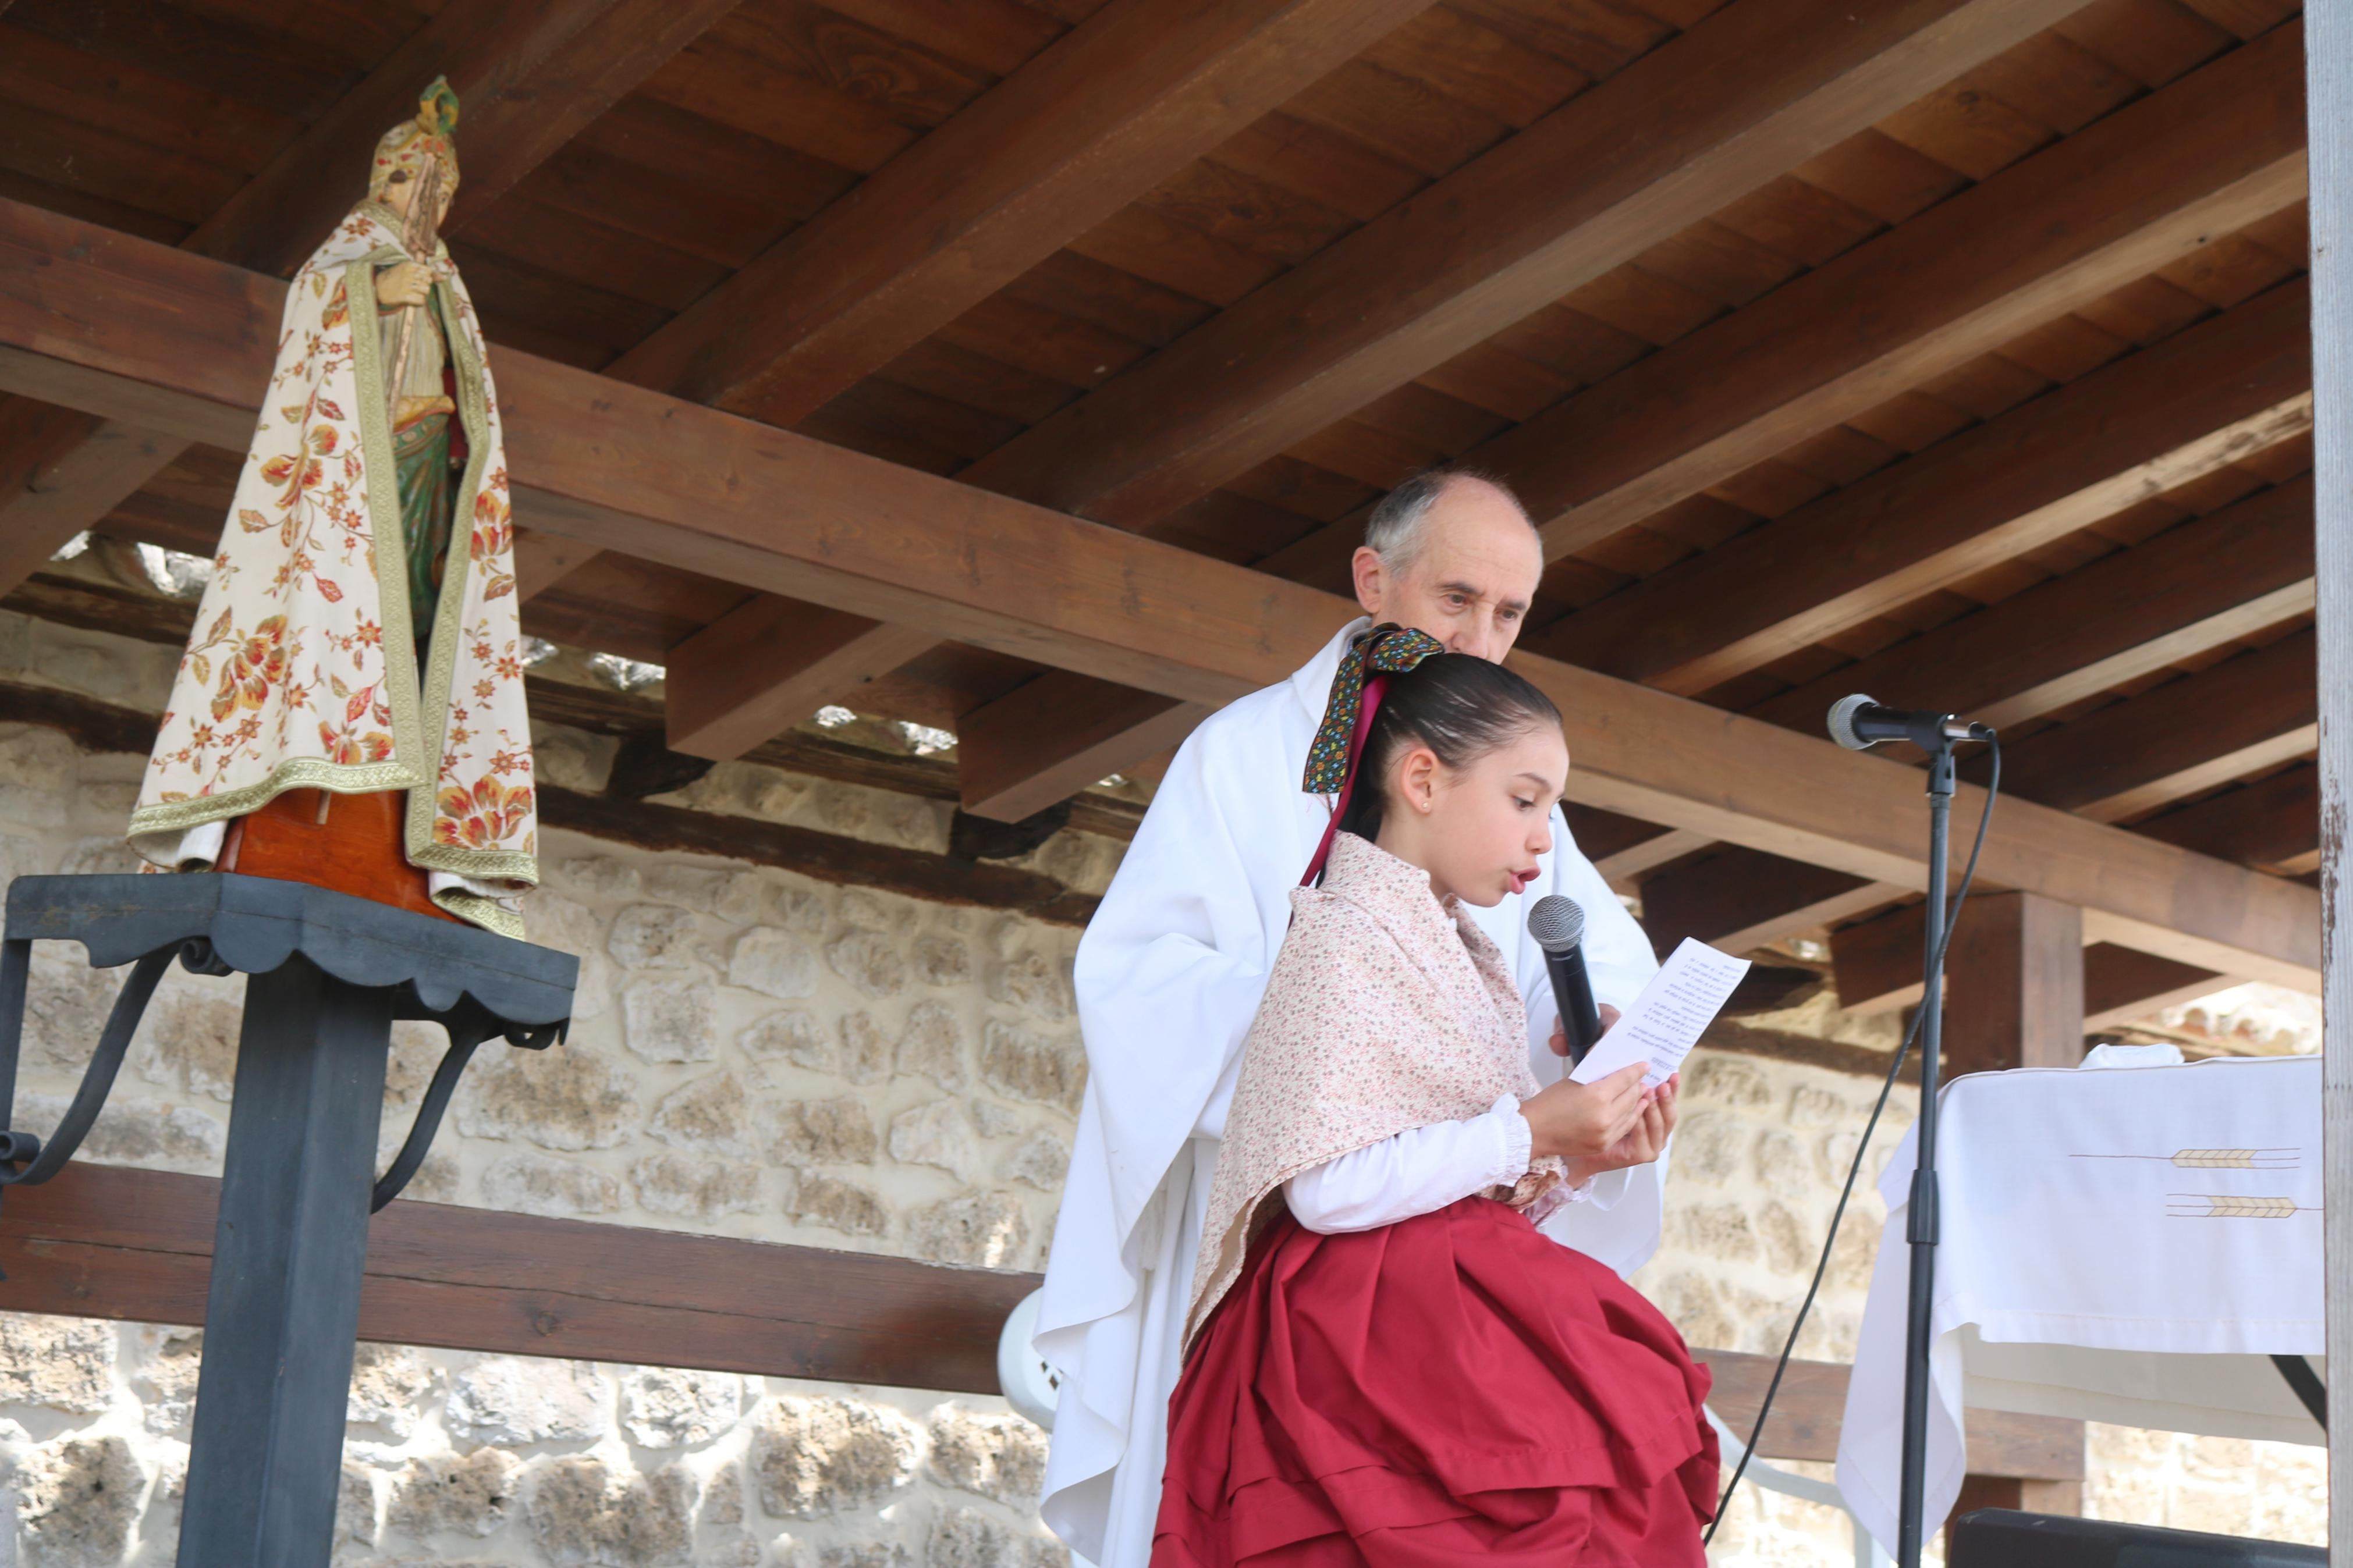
(1452, 1389)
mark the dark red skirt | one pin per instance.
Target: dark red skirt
(1449, 1390)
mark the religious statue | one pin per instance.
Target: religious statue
(349, 710)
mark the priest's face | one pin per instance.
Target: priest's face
(1470, 583)
(1480, 829)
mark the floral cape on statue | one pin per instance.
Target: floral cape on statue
(302, 671)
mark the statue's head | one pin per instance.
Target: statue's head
(407, 149)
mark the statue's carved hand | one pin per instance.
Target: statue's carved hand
(403, 283)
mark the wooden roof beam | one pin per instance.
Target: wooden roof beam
(2196, 587)
(2193, 403)
(2272, 822)
(1127, 99)
(1875, 966)
(1745, 95)
(2157, 180)
(124, 327)
(529, 76)
(2245, 715)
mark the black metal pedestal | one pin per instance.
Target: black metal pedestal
(329, 974)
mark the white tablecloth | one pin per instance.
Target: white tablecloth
(2121, 1243)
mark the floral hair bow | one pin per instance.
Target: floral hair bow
(1372, 658)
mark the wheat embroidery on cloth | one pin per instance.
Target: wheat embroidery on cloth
(302, 672)
(1386, 1011)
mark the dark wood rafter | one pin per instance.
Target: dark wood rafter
(529, 76)
(1876, 966)
(1127, 99)
(127, 1244)
(625, 469)
(2156, 180)
(2174, 413)
(2156, 185)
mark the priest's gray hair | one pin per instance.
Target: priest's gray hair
(1398, 526)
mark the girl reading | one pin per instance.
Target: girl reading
(1387, 1362)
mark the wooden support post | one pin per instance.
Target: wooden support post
(2329, 106)
(2014, 985)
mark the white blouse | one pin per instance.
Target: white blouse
(1418, 1172)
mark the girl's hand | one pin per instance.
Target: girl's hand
(1582, 1124)
(1647, 1139)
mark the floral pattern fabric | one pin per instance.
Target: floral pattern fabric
(1386, 1011)
(303, 673)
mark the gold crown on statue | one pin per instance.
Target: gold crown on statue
(432, 134)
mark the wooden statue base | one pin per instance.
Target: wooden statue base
(350, 843)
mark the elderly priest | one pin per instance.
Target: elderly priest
(1170, 974)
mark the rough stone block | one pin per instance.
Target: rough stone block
(567, 1098)
(937, 1134)
(997, 1456)
(1708, 1146)
(968, 1538)
(600, 876)
(388, 1382)
(775, 962)
(64, 1364)
(129, 1133)
(1041, 1161)
(667, 1407)
(865, 1049)
(701, 1189)
(584, 1514)
(559, 1189)
(943, 961)
(651, 936)
(869, 960)
(803, 909)
(837, 1131)
(36, 774)
(712, 1114)
(417, 1050)
(1714, 1080)
(838, 1205)
(932, 1046)
(670, 1020)
(571, 927)
(722, 1496)
(190, 1042)
(1016, 1062)
(1776, 1160)
(355, 1505)
(1032, 982)
(77, 1501)
(167, 1376)
(812, 1457)
(790, 1034)
(463, 1494)
(65, 1003)
(986, 1229)
(996, 1121)
(512, 1400)
(864, 911)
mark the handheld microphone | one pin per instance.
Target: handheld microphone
(1858, 724)
(1558, 926)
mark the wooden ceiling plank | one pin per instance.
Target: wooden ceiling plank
(1875, 966)
(1045, 740)
(1055, 153)
(1740, 100)
(2106, 763)
(2200, 585)
(1740, 899)
(1123, 102)
(759, 670)
(2156, 181)
(2273, 822)
(2146, 424)
(124, 327)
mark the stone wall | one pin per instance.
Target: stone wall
(762, 1055)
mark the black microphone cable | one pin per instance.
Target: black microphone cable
(1894, 1070)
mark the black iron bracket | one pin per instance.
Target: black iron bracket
(476, 985)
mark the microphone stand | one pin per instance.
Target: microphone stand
(1922, 1225)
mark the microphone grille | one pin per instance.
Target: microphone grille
(1842, 715)
(1557, 923)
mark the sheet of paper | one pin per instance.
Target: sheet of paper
(1667, 1019)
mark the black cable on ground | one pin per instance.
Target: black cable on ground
(1894, 1070)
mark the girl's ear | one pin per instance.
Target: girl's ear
(1418, 780)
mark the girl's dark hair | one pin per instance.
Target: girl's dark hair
(1457, 704)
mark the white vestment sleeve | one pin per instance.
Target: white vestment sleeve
(1416, 1172)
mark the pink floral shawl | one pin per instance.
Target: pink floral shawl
(1387, 1011)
